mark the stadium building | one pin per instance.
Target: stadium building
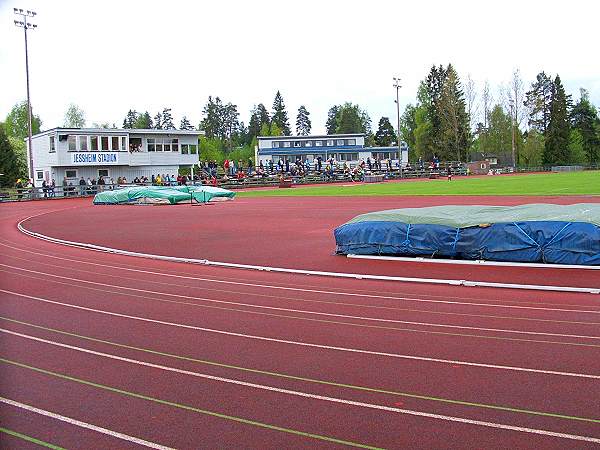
(111, 153)
(341, 147)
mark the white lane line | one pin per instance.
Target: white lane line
(301, 311)
(308, 344)
(312, 291)
(308, 395)
(439, 281)
(81, 424)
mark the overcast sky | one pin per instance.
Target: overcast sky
(110, 56)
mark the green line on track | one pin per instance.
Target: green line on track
(30, 439)
(311, 380)
(191, 408)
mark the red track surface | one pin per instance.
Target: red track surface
(445, 366)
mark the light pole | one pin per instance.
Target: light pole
(398, 86)
(24, 14)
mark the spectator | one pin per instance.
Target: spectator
(45, 188)
(81, 186)
(64, 186)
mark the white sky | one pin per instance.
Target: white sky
(110, 56)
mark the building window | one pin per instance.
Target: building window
(297, 144)
(71, 173)
(159, 145)
(351, 142)
(151, 145)
(39, 174)
(94, 143)
(72, 142)
(115, 143)
(123, 147)
(52, 145)
(275, 144)
(166, 147)
(104, 142)
(308, 143)
(329, 142)
(184, 149)
(318, 143)
(102, 173)
(193, 149)
(83, 143)
(340, 142)
(287, 144)
(174, 145)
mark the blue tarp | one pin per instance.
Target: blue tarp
(548, 241)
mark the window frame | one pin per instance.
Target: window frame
(104, 170)
(71, 143)
(71, 170)
(104, 140)
(38, 173)
(81, 139)
(94, 142)
(113, 140)
(52, 145)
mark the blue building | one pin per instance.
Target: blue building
(348, 148)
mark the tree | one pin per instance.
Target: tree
(487, 101)
(303, 124)
(471, 101)
(556, 149)
(280, 116)
(185, 124)
(497, 138)
(16, 122)
(538, 101)
(385, 135)
(533, 149)
(158, 121)
(408, 125)
(258, 118)
(454, 137)
(130, 119)
(211, 122)
(74, 117)
(332, 116)
(423, 134)
(577, 153)
(167, 120)
(584, 118)
(9, 161)
(143, 121)
(348, 118)
(221, 121)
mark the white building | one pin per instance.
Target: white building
(341, 147)
(72, 153)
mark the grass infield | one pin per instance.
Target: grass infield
(573, 183)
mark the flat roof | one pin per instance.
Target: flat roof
(119, 131)
(313, 136)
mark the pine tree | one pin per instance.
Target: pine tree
(130, 119)
(454, 123)
(258, 118)
(538, 100)
(584, 117)
(280, 116)
(143, 121)
(303, 124)
(332, 117)
(158, 121)
(211, 122)
(385, 135)
(167, 120)
(185, 124)
(556, 149)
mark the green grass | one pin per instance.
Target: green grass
(573, 183)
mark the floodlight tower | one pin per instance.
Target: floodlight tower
(23, 23)
(398, 86)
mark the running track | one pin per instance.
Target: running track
(101, 350)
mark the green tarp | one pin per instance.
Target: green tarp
(162, 194)
(464, 216)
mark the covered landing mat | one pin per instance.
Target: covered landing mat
(162, 195)
(549, 233)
